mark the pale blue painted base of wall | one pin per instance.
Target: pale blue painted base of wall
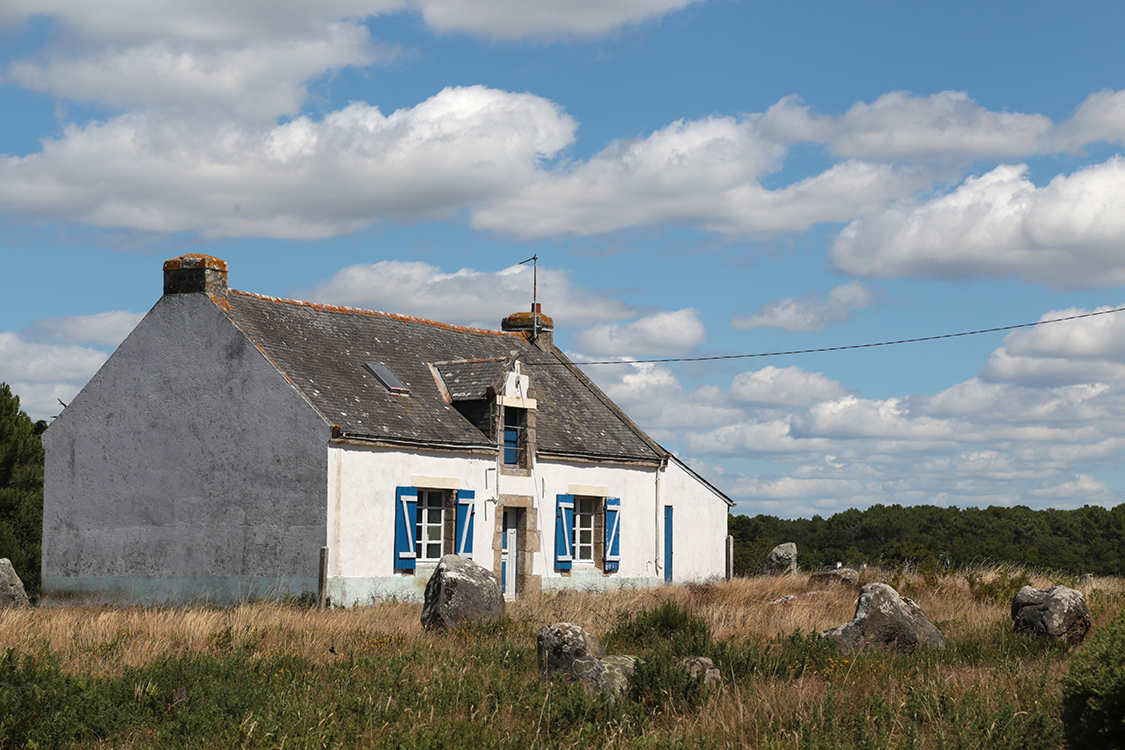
(174, 590)
(350, 592)
(595, 581)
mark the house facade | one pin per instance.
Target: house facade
(233, 436)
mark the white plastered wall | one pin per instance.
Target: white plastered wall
(361, 515)
(361, 496)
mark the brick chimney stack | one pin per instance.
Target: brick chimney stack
(195, 274)
(537, 327)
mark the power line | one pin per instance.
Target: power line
(852, 346)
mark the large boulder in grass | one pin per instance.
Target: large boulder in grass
(782, 559)
(885, 620)
(12, 594)
(560, 644)
(1058, 612)
(460, 592)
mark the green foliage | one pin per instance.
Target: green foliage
(1089, 539)
(21, 489)
(661, 686)
(1001, 588)
(1093, 691)
(668, 627)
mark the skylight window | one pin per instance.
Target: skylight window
(389, 381)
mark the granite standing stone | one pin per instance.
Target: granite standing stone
(11, 587)
(560, 644)
(782, 560)
(460, 591)
(1058, 612)
(884, 619)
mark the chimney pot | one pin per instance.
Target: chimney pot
(195, 273)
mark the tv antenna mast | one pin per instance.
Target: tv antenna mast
(534, 261)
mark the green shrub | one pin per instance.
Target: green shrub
(1001, 589)
(1093, 693)
(669, 625)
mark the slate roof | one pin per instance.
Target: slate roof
(322, 350)
(467, 380)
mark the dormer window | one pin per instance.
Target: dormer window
(387, 378)
(515, 437)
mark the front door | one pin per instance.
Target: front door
(509, 552)
(668, 543)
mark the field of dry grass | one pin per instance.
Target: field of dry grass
(782, 688)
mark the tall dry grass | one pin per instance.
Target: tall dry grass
(105, 639)
(982, 686)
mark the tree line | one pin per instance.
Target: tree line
(21, 489)
(1087, 540)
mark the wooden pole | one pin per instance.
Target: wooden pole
(322, 583)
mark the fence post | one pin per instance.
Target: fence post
(322, 583)
(730, 557)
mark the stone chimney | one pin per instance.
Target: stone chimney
(195, 274)
(537, 327)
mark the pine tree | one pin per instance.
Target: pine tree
(21, 489)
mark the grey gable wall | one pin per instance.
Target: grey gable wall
(188, 467)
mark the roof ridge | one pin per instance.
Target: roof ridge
(375, 313)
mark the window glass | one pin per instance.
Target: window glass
(429, 528)
(584, 529)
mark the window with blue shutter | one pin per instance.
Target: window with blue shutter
(512, 436)
(466, 513)
(564, 526)
(406, 507)
(612, 533)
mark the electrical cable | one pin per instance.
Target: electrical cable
(850, 346)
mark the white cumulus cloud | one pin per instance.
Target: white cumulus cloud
(898, 125)
(467, 296)
(703, 173)
(303, 179)
(784, 386)
(812, 312)
(258, 80)
(101, 329)
(659, 334)
(1067, 234)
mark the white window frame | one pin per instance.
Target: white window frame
(429, 500)
(586, 510)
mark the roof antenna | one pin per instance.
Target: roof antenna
(534, 261)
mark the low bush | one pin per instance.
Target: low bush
(1000, 588)
(675, 628)
(1093, 691)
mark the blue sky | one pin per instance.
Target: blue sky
(697, 179)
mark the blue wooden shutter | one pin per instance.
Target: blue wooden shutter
(612, 533)
(466, 513)
(406, 511)
(564, 528)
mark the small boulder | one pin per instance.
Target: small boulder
(608, 676)
(460, 591)
(886, 620)
(11, 587)
(782, 560)
(560, 644)
(784, 599)
(703, 668)
(1058, 612)
(847, 576)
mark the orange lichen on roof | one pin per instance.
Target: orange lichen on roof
(524, 320)
(196, 260)
(486, 360)
(343, 309)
